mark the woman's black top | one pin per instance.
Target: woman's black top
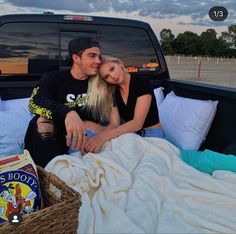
(137, 87)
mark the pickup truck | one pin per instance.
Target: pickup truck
(155, 192)
(31, 45)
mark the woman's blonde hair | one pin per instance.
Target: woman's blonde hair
(100, 93)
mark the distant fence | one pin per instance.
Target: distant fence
(213, 70)
(195, 59)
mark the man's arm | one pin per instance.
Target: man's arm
(42, 101)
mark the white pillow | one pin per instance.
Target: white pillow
(1, 104)
(15, 104)
(13, 126)
(158, 92)
(186, 121)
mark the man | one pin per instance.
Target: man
(58, 102)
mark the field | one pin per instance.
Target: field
(218, 71)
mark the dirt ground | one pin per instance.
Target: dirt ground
(217, 71)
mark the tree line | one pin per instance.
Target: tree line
(207, 44)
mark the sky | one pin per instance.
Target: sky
(177, 15)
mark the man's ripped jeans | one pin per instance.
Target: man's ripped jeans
(45, 127)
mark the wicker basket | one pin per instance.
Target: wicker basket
(60, 212)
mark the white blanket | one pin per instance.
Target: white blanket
(140, 185)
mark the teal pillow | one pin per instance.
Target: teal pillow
(209, 161)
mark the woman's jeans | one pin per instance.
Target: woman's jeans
(152, 132)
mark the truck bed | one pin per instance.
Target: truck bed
(222, 133)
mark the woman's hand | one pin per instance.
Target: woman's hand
(94, 144)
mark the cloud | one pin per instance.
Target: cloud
(151, 8)
(68, 5)
(13, 51)
(178, 15)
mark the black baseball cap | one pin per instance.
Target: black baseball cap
(81, 43)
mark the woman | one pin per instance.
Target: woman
(134, 99)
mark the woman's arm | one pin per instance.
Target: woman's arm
(140, 113)
(114, 121)
(142, 107)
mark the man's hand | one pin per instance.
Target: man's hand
(75, 130)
